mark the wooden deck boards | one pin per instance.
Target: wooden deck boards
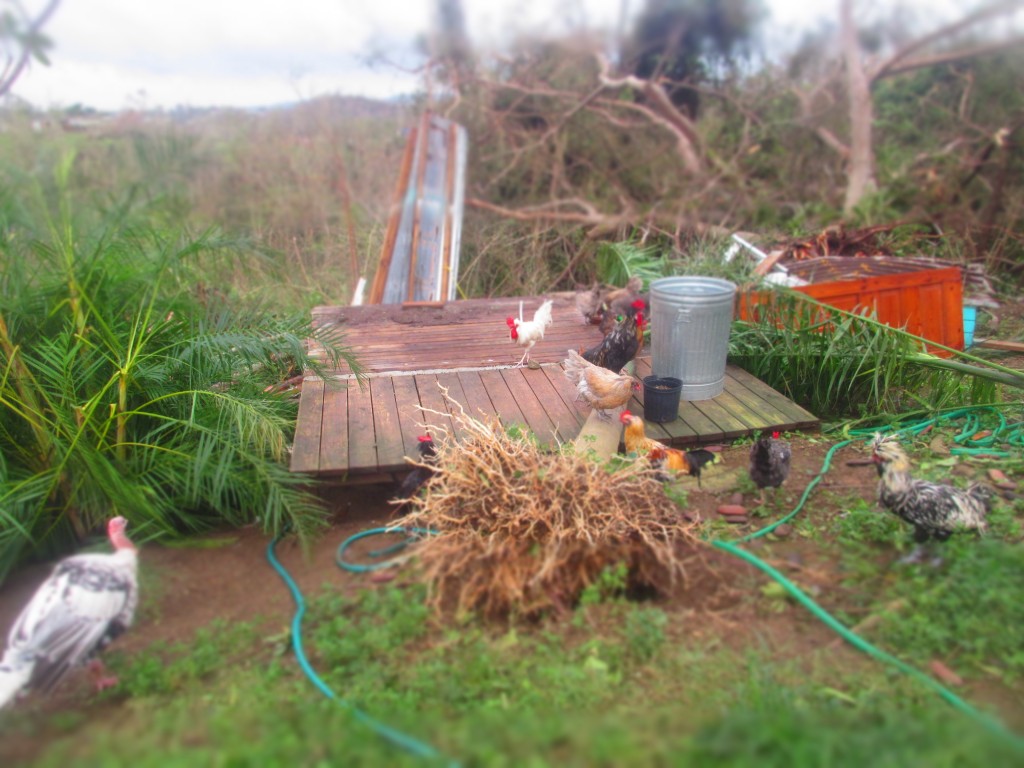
(349, 427)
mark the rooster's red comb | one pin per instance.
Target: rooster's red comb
(639, 304)
(775, 435)
(425, 438)
(510, 322)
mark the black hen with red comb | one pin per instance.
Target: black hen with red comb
(622, 342)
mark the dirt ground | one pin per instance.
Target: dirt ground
(226, 575)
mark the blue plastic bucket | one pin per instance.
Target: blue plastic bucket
(970, 319)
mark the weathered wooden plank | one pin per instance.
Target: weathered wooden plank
(388, 429)
(679, 429)
(796, 416)
(432, 399)
(505, 406)
(748, 419)
(478, 402)
(766, 411)
(555, 374)
(306, 446)
(565, 419)
(450, 381)
(362, 439)
(334, 440)
(537, 419)
(728, 424)
(410, 418)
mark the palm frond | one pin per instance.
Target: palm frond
(839, 363)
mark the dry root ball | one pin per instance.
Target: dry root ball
(522, 531)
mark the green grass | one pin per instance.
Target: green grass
(968, 612)
(610, 690)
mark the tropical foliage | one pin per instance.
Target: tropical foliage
(128, 388)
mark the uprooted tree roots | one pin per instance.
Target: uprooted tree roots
(522, 531)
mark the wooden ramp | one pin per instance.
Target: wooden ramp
(365, 427)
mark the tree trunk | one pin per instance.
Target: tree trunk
(860, 179)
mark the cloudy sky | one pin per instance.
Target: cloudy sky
(116, 54)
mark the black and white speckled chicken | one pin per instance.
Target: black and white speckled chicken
(622, 342)
(935, 510)
(770, 459)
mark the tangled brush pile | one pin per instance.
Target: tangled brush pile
(522, 531)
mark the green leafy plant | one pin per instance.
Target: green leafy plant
(122, 391)
(609, 585)
(837, 362)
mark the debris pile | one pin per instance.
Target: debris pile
(521, 532)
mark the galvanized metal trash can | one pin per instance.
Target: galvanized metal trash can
(690, 322)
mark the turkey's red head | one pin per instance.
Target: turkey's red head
(116, 531)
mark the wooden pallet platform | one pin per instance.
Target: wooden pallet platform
(366, 427)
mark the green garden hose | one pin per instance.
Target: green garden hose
(863, 645)
(399, 739)
(411, 535)
(1004, 433)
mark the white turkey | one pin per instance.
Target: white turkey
(86, 602)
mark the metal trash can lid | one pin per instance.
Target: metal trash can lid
(692, 286)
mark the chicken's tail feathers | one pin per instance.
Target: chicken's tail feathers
(543, 314)
(983, 494)
(15, 673)
(574, 365)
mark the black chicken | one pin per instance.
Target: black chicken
(770, 459)
(413, 481)
(936, 511)
(622, 342)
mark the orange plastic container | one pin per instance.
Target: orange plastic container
(925, 302)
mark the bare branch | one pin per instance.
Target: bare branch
(949, 57)
(889, 66)
(662, 111)
(828, 138)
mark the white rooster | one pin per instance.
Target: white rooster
(86, 602)
(526, 333)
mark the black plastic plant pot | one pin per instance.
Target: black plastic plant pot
(661, 398)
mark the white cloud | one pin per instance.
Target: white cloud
(227, 52)
(258, 52)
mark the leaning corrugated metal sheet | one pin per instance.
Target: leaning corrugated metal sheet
(420, 259)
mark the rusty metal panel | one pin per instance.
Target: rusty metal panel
(421, 257)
